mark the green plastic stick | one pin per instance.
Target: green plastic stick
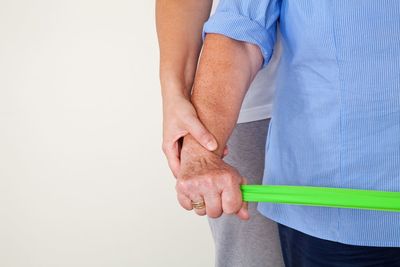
(323, 197)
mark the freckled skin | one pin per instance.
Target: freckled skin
(225, 72)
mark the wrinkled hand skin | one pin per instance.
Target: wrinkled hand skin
(204, 175)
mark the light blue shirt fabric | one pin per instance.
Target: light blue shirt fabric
(336, 115)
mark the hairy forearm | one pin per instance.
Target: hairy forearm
(179, 28)
(225, 72)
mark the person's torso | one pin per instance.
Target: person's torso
(336, 116)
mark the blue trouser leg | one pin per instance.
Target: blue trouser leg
(301, 250)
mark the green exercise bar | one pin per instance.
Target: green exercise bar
(323, 197)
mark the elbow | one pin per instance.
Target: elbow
(254, 56)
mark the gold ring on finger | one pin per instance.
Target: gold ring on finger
(198, 205)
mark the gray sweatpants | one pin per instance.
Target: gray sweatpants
(254, 243)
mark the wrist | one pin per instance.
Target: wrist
(191, 148)
(172, 87)
(172, 104)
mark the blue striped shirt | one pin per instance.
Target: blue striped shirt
(336, 116)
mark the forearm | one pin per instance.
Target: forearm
(179, 28)
(225, 72)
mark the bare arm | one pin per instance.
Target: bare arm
(179, 28)
(226, 70)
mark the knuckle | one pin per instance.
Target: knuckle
(181, 185)
(228, 179)
(208, 182)
(191, 185)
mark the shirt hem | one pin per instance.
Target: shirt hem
(289, 223)
(255, 113)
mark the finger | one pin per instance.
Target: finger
(200, 133)
(243, 213)
(231, 199)
(201, 211)
(171, 151)
(213, 205)
(185, 202)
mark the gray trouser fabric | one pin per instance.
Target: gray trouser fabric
(254, 243)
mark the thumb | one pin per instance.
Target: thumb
(243, 213)
(202, 135)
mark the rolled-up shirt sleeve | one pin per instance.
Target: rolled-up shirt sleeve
(251, 21)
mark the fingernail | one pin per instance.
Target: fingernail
(211, 145)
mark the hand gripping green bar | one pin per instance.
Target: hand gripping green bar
(323, 197)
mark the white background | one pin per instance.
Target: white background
(83, 181)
